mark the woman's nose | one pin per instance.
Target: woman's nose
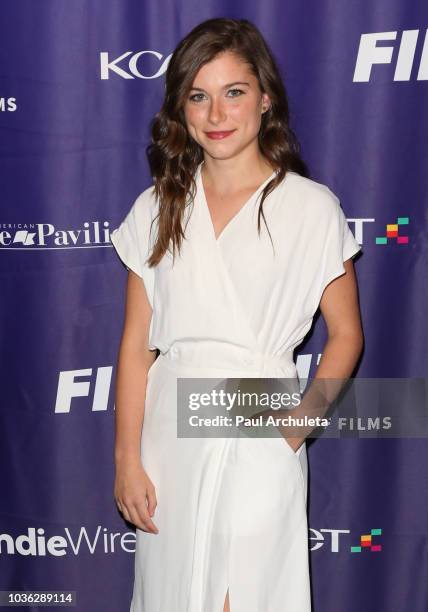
(216, 111)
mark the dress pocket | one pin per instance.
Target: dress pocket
(295, 456)
(288, 447)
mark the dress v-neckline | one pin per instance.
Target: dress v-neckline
(237, 214)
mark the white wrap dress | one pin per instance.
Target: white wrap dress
(231, 511)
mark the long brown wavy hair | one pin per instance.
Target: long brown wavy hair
(174, 155)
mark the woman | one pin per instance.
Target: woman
(221, 522)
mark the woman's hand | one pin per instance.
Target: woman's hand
(293, 441)
(135, 495)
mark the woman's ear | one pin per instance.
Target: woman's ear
(266, 102)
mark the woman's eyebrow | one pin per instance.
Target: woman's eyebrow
(224, 87)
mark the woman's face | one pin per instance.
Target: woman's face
(225, 97)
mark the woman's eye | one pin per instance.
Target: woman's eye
(194, 97)
(197, 98)
(239, 90)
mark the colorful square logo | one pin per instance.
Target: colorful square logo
(392, 230)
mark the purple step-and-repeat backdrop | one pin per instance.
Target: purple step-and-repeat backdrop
(79, 82)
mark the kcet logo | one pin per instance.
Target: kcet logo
(333, 537)
(366, 542)
(108, 65)
(369, 53)
(394, 231)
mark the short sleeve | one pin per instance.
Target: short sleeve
(133, 241)
(339, 245)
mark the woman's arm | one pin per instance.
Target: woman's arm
(134, 362)
(134, 492)
(339, 306)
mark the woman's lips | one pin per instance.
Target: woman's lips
(219, 135)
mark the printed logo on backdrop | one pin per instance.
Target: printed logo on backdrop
(35, 542)
(338, 540)
(30, 236)
(394, 233)
(401, 54)
(373, 50)
(97, 234)
(141, 65)
(95, 384)
(92, 383)
(7, 104)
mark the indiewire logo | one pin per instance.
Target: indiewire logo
(36, 543)
(371, 51)
(30, 236)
